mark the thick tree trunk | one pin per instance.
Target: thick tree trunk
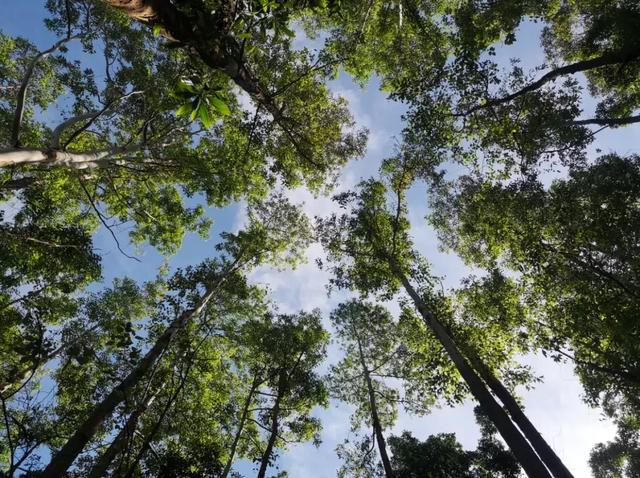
(529, 460)
(63, 459)
(84, 160)
(99, 469)
(273, 436)
(207, 37)
(243, 419)
(377, 427)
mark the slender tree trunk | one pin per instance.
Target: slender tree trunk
(243, 419)
(275, 414)
(529, 460)
(63, 459)
(546, 453)
(146, 444)
(613, 122)
(377, 427)
(99, 469)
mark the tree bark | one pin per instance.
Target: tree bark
(243, 419)
(63, 459)
(275, 414)
(99, 469)
(83, 160)
(529, 460)
(377, 427)
(546, 453)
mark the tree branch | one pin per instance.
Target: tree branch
(606, 59)
(24, 86)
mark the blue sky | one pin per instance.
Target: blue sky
(554, 406)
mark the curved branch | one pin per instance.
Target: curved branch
(24, 86)
(613, 122)
(606, 59)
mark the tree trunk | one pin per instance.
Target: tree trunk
(99, 469)
(546, 453)
(84, 160)
(377, 427)
(63, 459)
(243, 419)
(530, 462)
(275, 413)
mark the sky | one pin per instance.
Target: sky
(554, 405)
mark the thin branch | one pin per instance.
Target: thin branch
(102, 220)
(92, 117)
(22, 93)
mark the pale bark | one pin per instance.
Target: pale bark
(82, 160)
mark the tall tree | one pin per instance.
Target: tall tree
(289, 348)
(366, 334)
(574, 248)
(372, 252)
(260, 241)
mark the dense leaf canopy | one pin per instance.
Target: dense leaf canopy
(140, 120)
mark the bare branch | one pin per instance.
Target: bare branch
(102, 220)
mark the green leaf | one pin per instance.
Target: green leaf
(205, 116)
(186, 87)
(220, 105)
(184, 110)
(157, 29)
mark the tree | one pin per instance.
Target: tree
(371, 252)
(288, 349)
(573, 246)
(366, 334)
(261, 241)
(91, 346)
(128, 149)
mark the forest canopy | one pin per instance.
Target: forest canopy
(171, 308)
